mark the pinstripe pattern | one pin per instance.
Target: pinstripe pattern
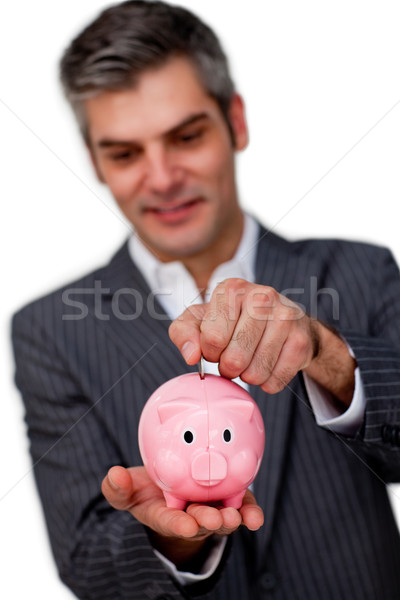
(329, 532)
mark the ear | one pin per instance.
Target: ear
(94, 162)
(237, 119)
(170, 409)
(244, 408)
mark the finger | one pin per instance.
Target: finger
(222, 521)
(185, 332)
(170, 522)
(295, 354)
(132, 490)
(208, 517)
(221, 317)
(117, 488)
(232, 519)
(266, 353)
(251, 512)
(151, 510)
(255, 318)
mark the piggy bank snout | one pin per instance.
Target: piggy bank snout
(209, 468)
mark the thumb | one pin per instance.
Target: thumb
(117, 488)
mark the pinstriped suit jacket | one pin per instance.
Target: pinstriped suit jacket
(329, 533)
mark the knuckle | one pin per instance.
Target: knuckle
(230, 291)
(287, 313)
(281, 378)
(294, 313)
(261, 302)
(299, 345)
(275, 383)
(232, 363)
(298, 312)
(267, 294)
(228, 296)
(252, 377)
(233, 283)
(272, 386)
(213, 338)
(260, 368)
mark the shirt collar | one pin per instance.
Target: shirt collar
(173, 284)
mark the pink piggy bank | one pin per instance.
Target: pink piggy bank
(201, 440)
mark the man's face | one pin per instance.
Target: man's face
(165, 151)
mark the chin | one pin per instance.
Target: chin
(181, 247)
(181, 252)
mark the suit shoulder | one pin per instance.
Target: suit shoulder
(340, 248)
(326, 250)
(320, 246)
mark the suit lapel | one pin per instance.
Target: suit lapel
(137, 323)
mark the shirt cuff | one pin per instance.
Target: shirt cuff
(325, 412)
(327, 415)
(209, 567)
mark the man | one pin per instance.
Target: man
(151, 90)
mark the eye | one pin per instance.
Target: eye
(189, 137)
(227, 435)
(189, 436)
(121, 156)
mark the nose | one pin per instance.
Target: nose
(209, 468)
(162, 175)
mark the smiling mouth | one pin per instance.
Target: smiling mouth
(173, 210)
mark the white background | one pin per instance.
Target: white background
(321, 82)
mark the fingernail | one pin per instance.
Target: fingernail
(187, 350)
(110, 481)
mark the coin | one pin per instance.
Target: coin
(201, 367)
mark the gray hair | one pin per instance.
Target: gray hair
(129, 38)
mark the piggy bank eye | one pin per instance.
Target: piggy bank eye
(189, 436)
(227, 435)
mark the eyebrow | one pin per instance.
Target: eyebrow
(108, 142)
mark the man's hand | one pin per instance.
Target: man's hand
(179, 535)
(256, 333)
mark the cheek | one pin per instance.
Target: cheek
(122, 184)
(214, 167)
(224, 178)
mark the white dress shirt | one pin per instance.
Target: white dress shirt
(176, 290)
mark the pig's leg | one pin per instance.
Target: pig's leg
(234, 501)
(174, 502)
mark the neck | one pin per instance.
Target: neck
(202, 265)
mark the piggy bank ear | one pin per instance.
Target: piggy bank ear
(241, 407)
(173, 407)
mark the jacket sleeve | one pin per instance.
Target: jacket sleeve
(101, 553)
(378, 358)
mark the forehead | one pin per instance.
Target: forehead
(163, 98)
